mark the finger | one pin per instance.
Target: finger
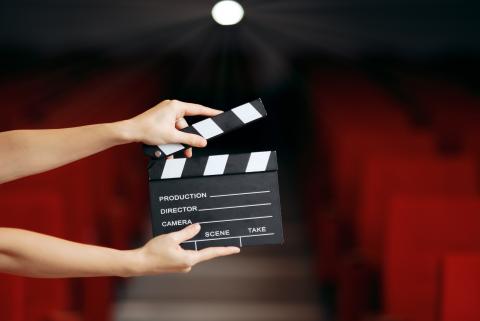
(186, 233)
(190, 139)
(190, 109)
(213, 252)
(188, 153)
(180, 124)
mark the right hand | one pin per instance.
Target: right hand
(163, 254)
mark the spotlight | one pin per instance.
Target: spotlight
(227, 12)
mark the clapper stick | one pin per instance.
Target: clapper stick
(213, 127)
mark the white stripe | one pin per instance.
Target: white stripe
(170, 148)
(258, 162)
(173, 168)
(230, 237)
(246, 113)
(207, 128)
(230, 207)
(215, 165)
(236, 219)
(238, 194)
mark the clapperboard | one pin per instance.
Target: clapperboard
(235, 197)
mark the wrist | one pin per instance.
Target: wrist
(131, 263)
(124, 132)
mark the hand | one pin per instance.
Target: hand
(162, 123)
(163, 254)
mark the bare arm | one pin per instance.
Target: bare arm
(37, 255)
(27, 152)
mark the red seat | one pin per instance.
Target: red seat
(453, 109)
(350, 152)
(363, 122)
(107, 191)
(343, 101)
(119, 188)
(121, 194)
(355, 145)
(385, 177)
(420, 231)
(460, 288)
(76, 184)
(25, 97)
(106, 196)
(12, 298)
(42, 211)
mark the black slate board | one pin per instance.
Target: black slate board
(234, 197)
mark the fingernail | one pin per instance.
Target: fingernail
(196, 226)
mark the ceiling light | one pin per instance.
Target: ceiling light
(227, 12)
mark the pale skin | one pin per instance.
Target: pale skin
(32, 254)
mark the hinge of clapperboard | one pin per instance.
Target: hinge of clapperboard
(213, 127)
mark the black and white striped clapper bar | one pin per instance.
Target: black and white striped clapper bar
(214, 126)
(234, 197)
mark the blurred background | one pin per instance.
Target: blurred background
(373, 108)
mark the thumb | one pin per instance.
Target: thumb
(186, 233)
(190, 139)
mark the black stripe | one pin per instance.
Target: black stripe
(194, 166)
(272, 162)
(150, 150)
(237, 163)
(228, 121)
(190, 130)
(156, 169)
(258, 104)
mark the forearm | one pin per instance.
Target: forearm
(27, 152)
(37, 255)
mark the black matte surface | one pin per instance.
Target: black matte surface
(220, 185)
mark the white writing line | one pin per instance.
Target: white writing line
(228, 207)
(231, 237)
(235, 219)
(236, 194)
